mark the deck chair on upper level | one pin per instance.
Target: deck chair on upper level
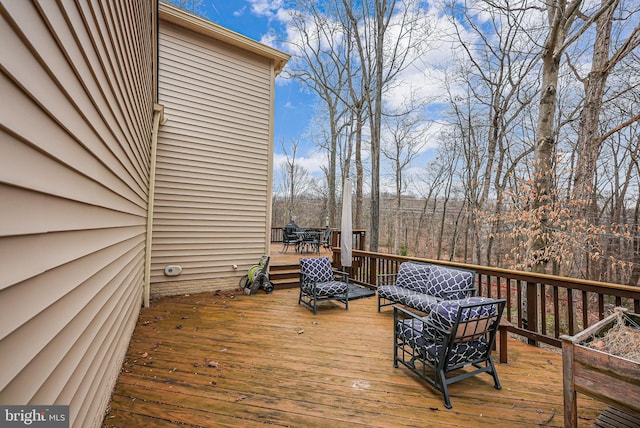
(290, 237)
(325, 239)
(457, 336)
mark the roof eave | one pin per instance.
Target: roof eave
(175, 15)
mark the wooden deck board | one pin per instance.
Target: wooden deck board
(291, 257)
(237, 360)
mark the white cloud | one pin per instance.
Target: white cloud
(269, 39)
(268, 8)
(312, 162)
(239, 12)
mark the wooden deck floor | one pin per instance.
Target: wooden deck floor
(241, 361)
(291, 257)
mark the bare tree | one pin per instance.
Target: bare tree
(388, 39)
(561, 17)
(406, 135)
(429, 185)
(296, 178)
(496, 71)
(319, 62)
(193, 6)
(602, 64)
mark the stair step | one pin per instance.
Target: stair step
(280, 284)
(281, 276)
(284, 276)
(284, 268)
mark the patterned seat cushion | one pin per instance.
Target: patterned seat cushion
(461, 353)
(413, 276)
(421, 334)
(413, 299)
(420, 301)
(331, 288)
(448, 283)
(410, 331)
(394, 293)
(320, 270)
(445, 312)
(317, 268)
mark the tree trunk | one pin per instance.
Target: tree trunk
(396, 226)
(589, 141)
(561, 17)
(376, 122)
(332, 172)
(544, 162)
(635, 271)
(359, 171)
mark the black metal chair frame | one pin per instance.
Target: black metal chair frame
(325, 240)
(289, 237)
(465, 330)
(311, 299)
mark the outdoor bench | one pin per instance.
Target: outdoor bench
(422, 286)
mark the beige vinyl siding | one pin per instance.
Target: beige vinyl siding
(77, 88)
(213, 168)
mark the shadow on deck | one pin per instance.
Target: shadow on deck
(229, 359)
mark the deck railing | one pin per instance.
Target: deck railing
(540, 307)
(276, 234)
(359, 236)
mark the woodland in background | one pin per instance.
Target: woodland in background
(536, 130)
(443, 230)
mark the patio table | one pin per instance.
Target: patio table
(308, 241)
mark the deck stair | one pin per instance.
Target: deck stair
(284, 275)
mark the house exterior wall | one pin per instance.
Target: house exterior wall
(213, 178)
(77, 92)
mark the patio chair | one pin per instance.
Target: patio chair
(290, 237)
(320, 282)
(325, 239)
(457, 334)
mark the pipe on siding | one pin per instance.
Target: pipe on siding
(158, 119)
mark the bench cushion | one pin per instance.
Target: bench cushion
(413, 276)
(412, 299)
(449, 283)
(420, 301)
(394, 293)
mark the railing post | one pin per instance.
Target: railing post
(373, 271)
(532, 309)
(335, 238)
(568, 383)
